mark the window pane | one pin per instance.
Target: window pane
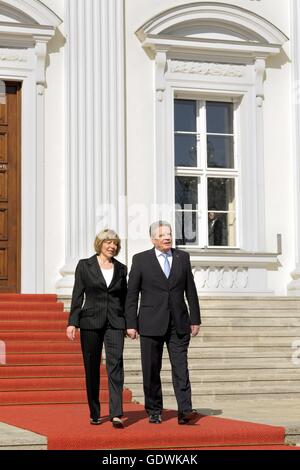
(186, 192)
(186, 228)
(221, 194)
(185, 150)
(3, 103)
(220, 152)
(219, 118)
(185, 115)
(221, 229)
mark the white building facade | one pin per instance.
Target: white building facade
(117, 113)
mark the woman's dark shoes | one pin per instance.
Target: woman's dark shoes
(117, 423)
(95, 421)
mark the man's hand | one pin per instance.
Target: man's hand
(133, 334)
(71, 332)
(195, 330)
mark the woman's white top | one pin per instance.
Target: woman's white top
(108, 275)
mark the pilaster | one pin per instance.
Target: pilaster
(95, 126)
(293, 287)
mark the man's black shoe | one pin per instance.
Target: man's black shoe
(155, 419)
(186, 418)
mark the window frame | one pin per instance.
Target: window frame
(202, 171)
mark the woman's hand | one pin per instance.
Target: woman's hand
(71, 332)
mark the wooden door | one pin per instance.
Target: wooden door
(10, 211)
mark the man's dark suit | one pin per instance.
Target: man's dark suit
(101, 320)
(163, 317)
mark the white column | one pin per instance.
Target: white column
(95, 88)
(41, 54)
(293, 287)
(260, 70)
(37, 209)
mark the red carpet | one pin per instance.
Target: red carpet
(42, 365)
(42, 389)
(67, 428)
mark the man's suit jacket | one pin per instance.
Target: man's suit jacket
(161, 297)
(215, 232)
(102, 303)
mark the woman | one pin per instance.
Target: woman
(100, 282)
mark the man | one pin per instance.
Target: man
(163, 275)
(215, 230)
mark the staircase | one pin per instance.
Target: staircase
(41, 364)
(244, 351)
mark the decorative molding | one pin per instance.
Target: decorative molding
(12, 58)
(41, 54)
(160, 63)
(260, 69)
(236, 258)
(232, 270)
(33, 11)
(206, 68)
(182, 28)
(228, 278)
(253, 27)
(29, 19)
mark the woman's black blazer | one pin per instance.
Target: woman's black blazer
(93, 303)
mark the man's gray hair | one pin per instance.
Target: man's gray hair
(156, 225)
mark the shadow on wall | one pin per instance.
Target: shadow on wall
(278, 61)
(55, 45)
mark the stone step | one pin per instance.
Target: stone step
(249, 302)
(207, 346)
(250, 313)
(217, 403)
(254, 307)
(213, 400)
(251, 330)
(243, 352)
(234, 353)
(220, 376)
(231, 389)
(230, 341)
(199, 363)
(242, 348)
(251, 322)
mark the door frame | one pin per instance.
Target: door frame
(23, 66)
(18, 164)
(19, 186)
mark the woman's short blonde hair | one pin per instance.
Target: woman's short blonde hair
(104, 235)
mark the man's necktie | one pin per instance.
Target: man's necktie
(167, 268)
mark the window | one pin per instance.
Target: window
(206, 174)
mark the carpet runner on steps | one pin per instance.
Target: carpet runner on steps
(43, 390)
(42, 365)
(67, 428)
